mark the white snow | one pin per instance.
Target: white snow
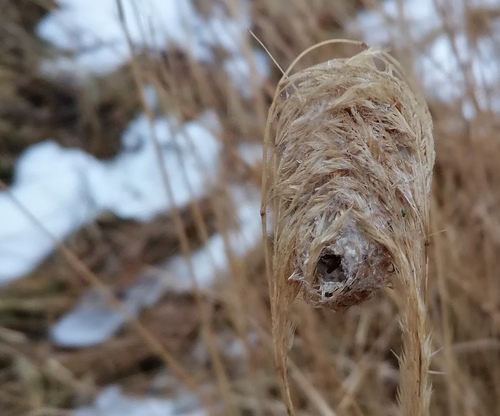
(67, 188)
(250, 152)
(91, 33)
(212, 260)
(90, 322)
(133, 186)
(50, 182)
(241, 75)
(93, 321)
(441, 57)
(112, 402)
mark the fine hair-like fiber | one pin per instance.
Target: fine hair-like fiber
(349, 154)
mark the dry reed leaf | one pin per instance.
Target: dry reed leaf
(349, 156)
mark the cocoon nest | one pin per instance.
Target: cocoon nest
(348, 162)
(351, 157)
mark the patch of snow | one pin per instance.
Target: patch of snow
(212, 260)
(91, 322)
(134, 187)
(91, 33)
(112, 402)
(92, 30)
(49, 182)
(231, 346)
(443, 60)
(150, 96)
(251, 153)
(65, 189)
(240, 71)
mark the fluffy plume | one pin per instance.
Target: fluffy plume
(349, 155)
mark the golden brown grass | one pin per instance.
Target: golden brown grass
(340, 364)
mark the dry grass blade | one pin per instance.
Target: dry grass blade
(207, 331)
(348, 176)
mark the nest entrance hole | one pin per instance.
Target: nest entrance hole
(331, 262)
(330, 270)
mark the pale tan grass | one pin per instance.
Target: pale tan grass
(349, 164)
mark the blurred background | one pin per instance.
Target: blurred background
(131, 266)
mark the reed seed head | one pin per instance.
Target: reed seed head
(351, 156)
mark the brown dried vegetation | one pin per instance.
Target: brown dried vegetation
(339, 363)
